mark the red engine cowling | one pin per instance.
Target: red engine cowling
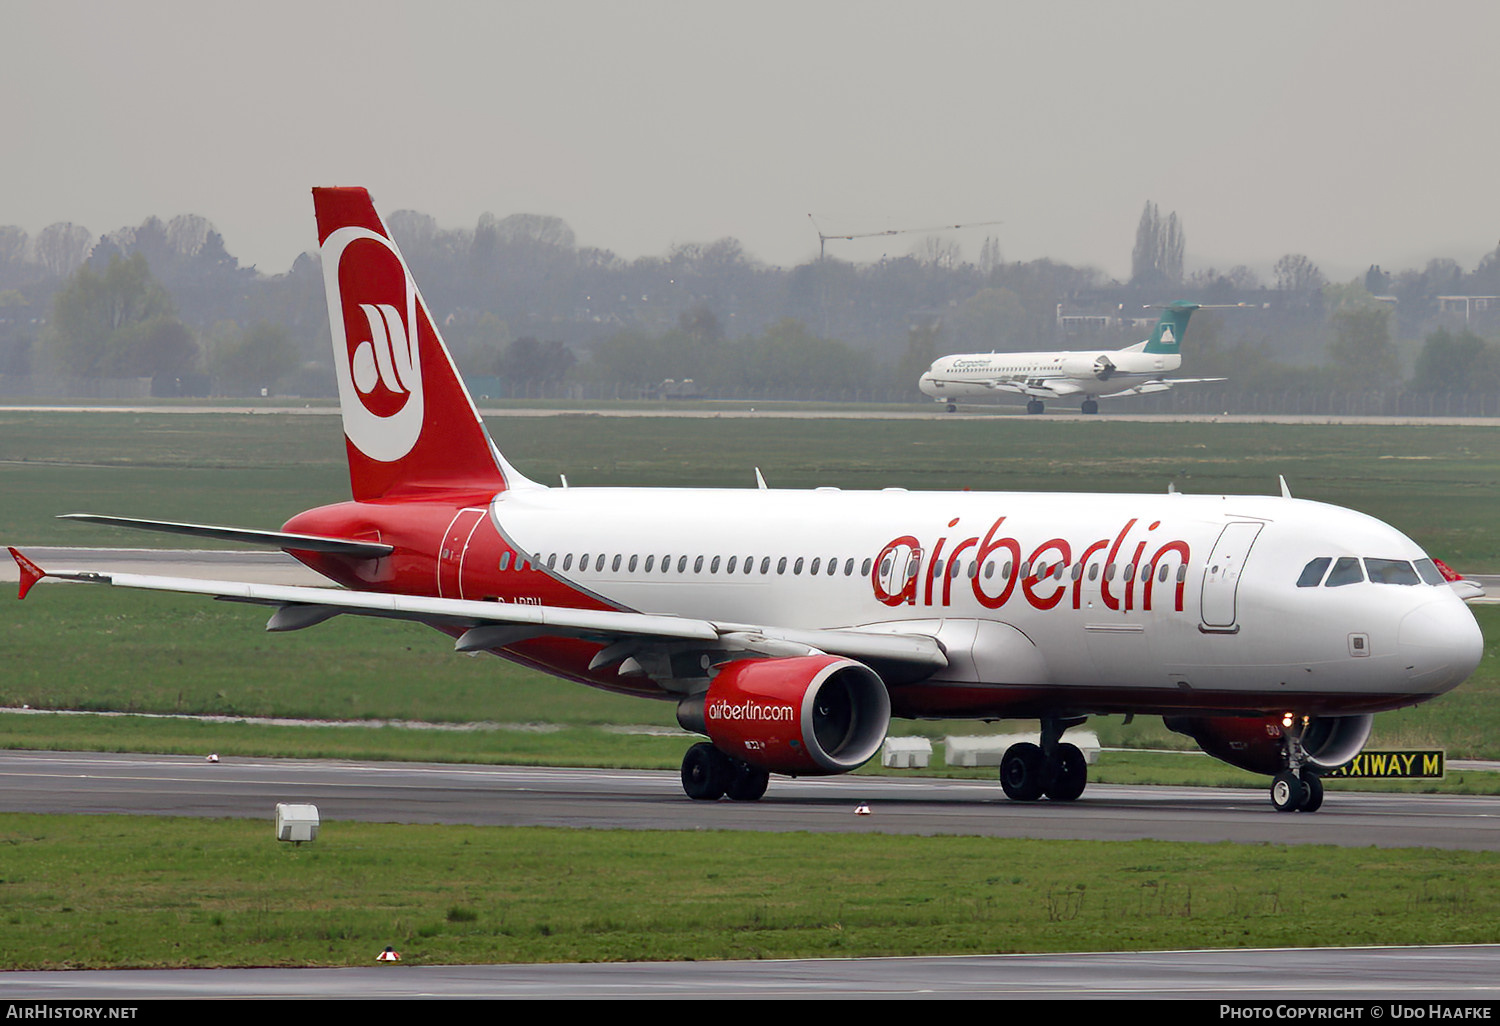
(802, 716)
(1257, 744)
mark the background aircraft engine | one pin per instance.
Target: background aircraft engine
(1100, 367)
(802, 716)
(1256, 744)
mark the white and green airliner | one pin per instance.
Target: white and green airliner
(1088, 376)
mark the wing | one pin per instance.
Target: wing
(488, 625)
(1036, 388)
(1158, 385)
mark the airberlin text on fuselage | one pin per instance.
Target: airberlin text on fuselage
(914, 579)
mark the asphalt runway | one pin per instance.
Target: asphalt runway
(159, 785)
(1408, 979)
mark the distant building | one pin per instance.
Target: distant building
(1469, 307)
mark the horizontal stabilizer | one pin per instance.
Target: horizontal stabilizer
(248, 536)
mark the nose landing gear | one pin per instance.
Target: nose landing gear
(1297, 788)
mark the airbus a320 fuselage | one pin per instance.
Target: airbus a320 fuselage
(789, 626)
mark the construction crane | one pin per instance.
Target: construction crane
(823, 238)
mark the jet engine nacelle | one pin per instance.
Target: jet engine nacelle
(802, 716)
(1083, 365)
(1258, 745)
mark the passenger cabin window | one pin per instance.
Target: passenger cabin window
(1345, 571)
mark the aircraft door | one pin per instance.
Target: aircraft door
(1221, 576)
(451, 556)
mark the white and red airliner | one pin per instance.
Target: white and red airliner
(788, 627)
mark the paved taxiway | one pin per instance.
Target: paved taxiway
(640, 799)
(1350, 976)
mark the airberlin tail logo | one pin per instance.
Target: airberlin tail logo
(372, 302)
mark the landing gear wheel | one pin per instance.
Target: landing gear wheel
(1288, 793)
(1034, 406)
(1090, 407)
(1021, 772)
(746, 783)
(1070, 774)
(952, 407)
(1313, 800)
(705, 772)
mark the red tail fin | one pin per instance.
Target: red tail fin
(409, 422)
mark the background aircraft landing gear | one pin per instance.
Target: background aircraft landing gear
(1090, 406)
(1054, 768)
(953, 407)
(1034, 406)
(708, 775)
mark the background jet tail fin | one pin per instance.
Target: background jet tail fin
(1167, 338)
(410, 424)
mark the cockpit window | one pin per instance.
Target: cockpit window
(1391, 571)
(1429, 572)
(1312, 573)
(1345, 571)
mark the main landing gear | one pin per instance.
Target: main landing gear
(1297, 788)
(1090, 406)
(708, 775)
(1053, 768)
(1035, 406)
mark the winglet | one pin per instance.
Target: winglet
(30, 572)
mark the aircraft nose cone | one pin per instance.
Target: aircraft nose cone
(925, 383)
(1440, 644)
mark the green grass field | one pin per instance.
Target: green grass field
(122, 891)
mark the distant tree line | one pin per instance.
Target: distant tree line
(518, 298)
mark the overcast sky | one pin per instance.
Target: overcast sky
(1355, 132)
